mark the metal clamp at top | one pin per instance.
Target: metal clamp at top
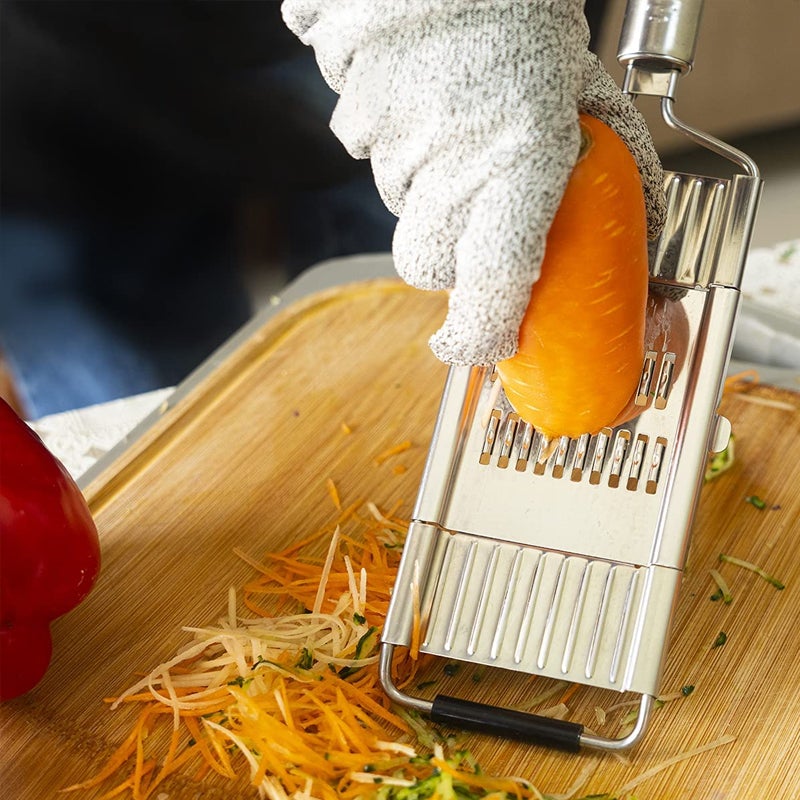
(657, 44)
(660, 34)
(656, 47)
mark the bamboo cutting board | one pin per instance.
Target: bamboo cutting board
(242, 460)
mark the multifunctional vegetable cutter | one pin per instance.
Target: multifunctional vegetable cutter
(568, 564)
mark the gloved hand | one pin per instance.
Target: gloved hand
(469, 113)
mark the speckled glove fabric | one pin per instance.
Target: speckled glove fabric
(468, 110)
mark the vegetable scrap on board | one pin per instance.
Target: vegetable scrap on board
(756, 501)
(721, 639)
(739, 562)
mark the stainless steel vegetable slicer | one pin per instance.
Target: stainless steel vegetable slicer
(568, 565)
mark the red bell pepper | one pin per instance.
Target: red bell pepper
(49, 552)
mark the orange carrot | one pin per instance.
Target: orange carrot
(581, 343)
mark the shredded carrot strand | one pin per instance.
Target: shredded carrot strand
(385, 455)
(117, 790)
(202, 746)
(569, 692)
(334, 493)
(740, 381)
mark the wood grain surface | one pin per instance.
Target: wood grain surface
(242, 462)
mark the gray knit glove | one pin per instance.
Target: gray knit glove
(468, 110)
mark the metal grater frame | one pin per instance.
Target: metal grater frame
(568, 565)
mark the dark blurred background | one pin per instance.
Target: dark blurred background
(148, 151)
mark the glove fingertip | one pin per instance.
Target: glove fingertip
(456, 343)
(424, 255)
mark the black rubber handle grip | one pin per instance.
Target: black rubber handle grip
(505, 722)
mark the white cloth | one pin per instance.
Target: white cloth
(768, 328)
(468, 110)
(78, 438)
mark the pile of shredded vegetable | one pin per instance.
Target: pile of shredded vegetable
(290, 695)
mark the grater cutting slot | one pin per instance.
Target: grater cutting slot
(618, 457)
(455, 615)
(643, 391)
(664, 380)
(553, 605)
(656, 461)
(480, 614)
(622, 631)
(538, 454)
(530, 605)
(491, 437)
(591, 660)
(572, 634)
(560, 456)
(509, 432)
(599, 457)
(579, 462)
(637, 460)
(523, 447)
(577, 580)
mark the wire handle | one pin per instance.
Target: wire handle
(507, 723)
